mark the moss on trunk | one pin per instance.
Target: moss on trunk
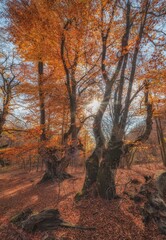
(106, 182)
(92, 165)
(107, 171)
(54, 168)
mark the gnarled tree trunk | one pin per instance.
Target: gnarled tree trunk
(107, 170)
(55, 168)
(92, 165)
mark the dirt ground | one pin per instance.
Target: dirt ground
(114, 220)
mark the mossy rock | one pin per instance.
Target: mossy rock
(18, 218)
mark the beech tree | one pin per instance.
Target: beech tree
(104, 161)
(73, 17)
(8, 83)
(35, 48)
(31, 41)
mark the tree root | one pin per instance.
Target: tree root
(56, 178)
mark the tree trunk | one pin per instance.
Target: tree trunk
(107, 171)
(47, 155)
(5, 110)
(41, 101)
(74, 133)
(55, 168)
(92, 165)
(161, 140)
(50, 162)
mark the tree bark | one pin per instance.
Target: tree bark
(48, 155)
(71, 86)
(7, 96)
(161, 140)
(92, 165)
(55, 167)
(41, 101)
(107, 171)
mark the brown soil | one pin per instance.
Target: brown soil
(114, 220)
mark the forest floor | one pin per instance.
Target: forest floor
(114, 220)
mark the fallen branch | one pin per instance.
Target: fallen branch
(43, 221)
